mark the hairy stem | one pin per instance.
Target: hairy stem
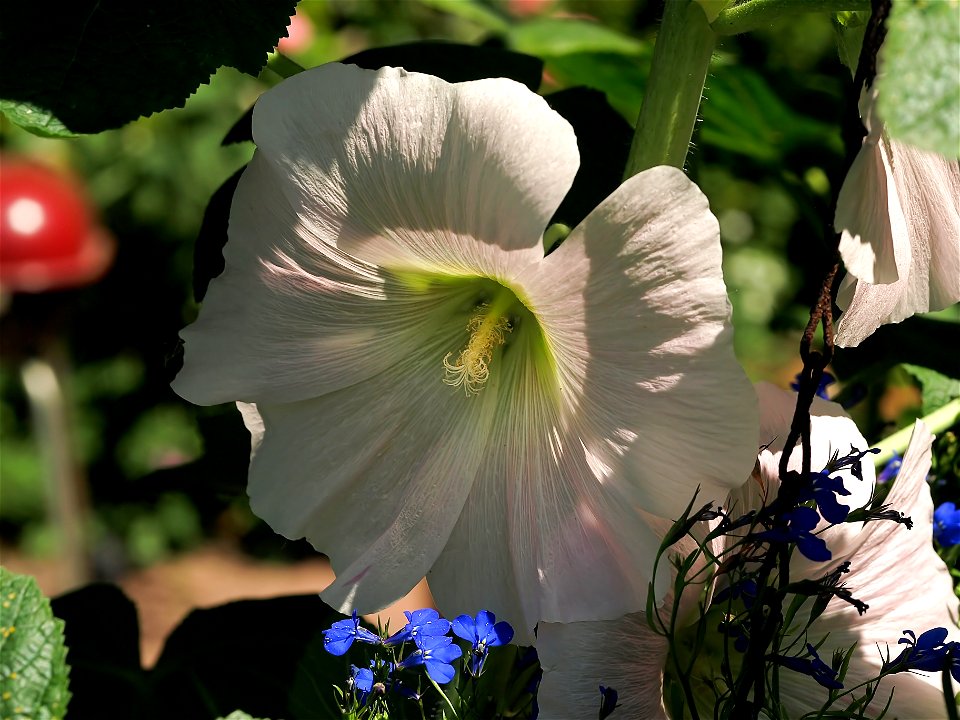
(936, 422)
(681, 58)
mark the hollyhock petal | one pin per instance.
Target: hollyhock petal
(896, 571)
(878, 552)
(871, 229)
(396, 165)
(361, 472)
(832, 432)
(291, 318)
(552, 534)
(925, 192)
(892, 568)
(624, 654)
(656, 316)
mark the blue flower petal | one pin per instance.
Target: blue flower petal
(813, 548)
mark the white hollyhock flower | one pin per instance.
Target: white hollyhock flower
(428, 393)
(577, 658)
(898, 214)
(832, 433)
(893, 569)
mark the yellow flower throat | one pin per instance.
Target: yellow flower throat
(488, 327)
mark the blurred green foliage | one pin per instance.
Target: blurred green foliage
(162, 475)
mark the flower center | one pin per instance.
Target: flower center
(488, 327)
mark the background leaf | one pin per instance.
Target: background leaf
(919, 84)
(247, 654)
(603, 138)
(743, 114)
(36, 119)
(103, 637)
(554, 37)
(470, 10)
(454, 62)
(937, 389)
(98, 64)
(33, 668)
(579, 52)
(265, 656)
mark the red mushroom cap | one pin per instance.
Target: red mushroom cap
(49, 238)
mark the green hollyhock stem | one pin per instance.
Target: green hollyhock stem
(937, 422)
(681, 58)
(757, 13)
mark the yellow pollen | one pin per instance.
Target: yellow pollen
(487, 330)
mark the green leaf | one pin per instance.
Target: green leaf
(620, 77)
(262, 655)
(454, 62)
(743, 114)
(555, 37)
(34, 119)
(919, 84)
(103, 635)
(937, 389)
(33, 668)
(93, 65)
(603, 138)
(265, 656)
(208, 260)
(850, 26)
(472, 11)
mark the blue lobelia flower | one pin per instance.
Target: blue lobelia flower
(891, 469)
(800, 521)
(338, 639)
(608, 701)
(814, 667)
(852, 460)
(744, 590)
(420, 623)
(826, 380)
(483, 633)
(946, 525)
(738, 631)
(362, 680)
(436, 652)
(824, 490)
(928, 652)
